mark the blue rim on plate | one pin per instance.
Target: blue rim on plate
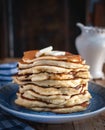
(8, 95)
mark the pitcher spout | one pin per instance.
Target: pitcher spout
(81, 26)
(85, 28)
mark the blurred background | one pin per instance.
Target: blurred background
(35, 24)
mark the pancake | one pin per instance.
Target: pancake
(71, 109)
(78, 107)
(52, 90)
(30, 56)
(54, 83)
(58, 76)
(49, 69)
(51, 62)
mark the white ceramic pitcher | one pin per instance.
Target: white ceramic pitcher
(90, 45)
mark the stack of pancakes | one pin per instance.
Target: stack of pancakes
(53, 81)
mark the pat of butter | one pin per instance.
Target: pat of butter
(57, 53)
(48, 51)
(44, 51)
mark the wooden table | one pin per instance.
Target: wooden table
(93, 123)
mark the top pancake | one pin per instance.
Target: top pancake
(30, 56)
